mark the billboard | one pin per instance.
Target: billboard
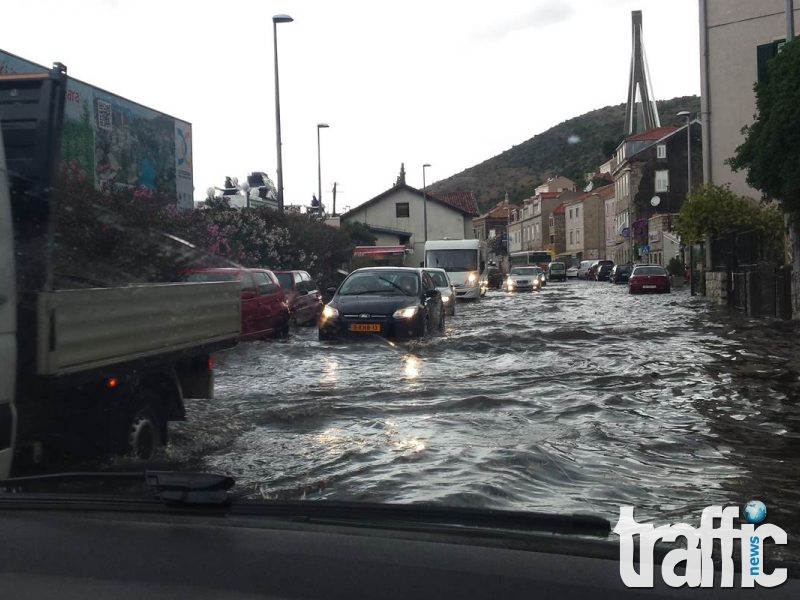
(114, 140)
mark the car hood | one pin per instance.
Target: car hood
(372, 304)
(525, 277)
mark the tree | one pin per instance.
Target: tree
(359, 233)
(497, 246)
(771, 151)
(714, 210)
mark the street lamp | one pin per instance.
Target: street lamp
(425, 201)
(685, 114)
(275, 20)
(319, 166)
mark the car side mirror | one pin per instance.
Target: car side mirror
(331, 291)
(431, 293)
(248, 294)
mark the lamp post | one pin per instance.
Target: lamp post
(425, 201)
(319, 165)
(688, 116)
(275, 20)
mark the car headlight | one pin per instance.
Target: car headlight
(510, 283)
(445, 299)
(472, 278)
(329, 312)
(406, 313)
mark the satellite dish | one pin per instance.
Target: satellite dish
(589, 187)
(655, 200)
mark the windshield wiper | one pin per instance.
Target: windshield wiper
(393, 284)
(171, 487)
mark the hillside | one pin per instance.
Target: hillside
(521, 168)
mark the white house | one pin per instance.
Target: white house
(397, 216)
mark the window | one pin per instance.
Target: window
(246, 283)
(570, 213)
(401, 209)
(265, 285)
(662, 181)
(492, 234)
(577, 236)
(427, 282)
(577, 211)
(661, 151)
(571, 237)
(552, 239)
(552, 222)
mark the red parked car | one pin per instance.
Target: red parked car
(264, 309)
(648, 278)
(302, 295)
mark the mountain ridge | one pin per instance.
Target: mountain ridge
(571, 148)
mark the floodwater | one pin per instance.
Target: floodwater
(577, 398)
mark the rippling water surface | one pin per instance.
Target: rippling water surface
(578, 398)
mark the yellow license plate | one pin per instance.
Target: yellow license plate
(365, 327)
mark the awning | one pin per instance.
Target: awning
(376, 251)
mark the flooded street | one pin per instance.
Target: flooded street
(578, 398)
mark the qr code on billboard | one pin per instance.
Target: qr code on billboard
(104, 115)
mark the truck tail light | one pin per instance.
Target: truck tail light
(210, 363)
(112, 382)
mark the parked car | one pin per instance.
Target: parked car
(595, 267)
(583, 270)
(494, 278)
(648, 278)
(524, 279)
(620, 274)
(572, 273)
(264, 309)
(603, 272)
(302, 296)
(446, 288)
(393, 302)
(557, 271)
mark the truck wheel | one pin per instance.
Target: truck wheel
(146, 428)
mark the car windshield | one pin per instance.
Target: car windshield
(286, 280)
(160, 160)
(383, 283)
(453, 261)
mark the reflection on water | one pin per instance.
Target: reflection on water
(578, 398)
(411, 366)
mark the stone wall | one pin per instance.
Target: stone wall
(717, 287)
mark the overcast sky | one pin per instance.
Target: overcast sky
(450, 83)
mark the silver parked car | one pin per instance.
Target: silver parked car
(447, 289)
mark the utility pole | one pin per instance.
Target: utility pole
(334, 198)
(789, 20)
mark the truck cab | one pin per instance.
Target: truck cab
(464, 262)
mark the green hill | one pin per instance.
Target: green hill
(555, 152)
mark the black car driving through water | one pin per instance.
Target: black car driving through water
(494, 278)
(393, 302)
